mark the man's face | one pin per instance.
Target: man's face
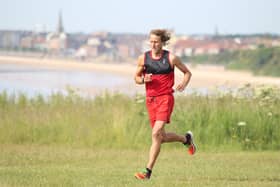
(155, 43)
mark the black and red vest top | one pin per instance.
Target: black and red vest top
(162, 74)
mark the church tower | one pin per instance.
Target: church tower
(57, 40)
(60, 28)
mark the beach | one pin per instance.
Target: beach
(203, 76)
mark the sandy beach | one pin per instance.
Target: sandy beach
(204, 76)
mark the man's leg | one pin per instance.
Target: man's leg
(157, 139)
(159, 136)
(172, 137)
(187, 140)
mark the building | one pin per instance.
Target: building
(57, 41)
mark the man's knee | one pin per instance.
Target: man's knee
(158, 131)
(158, 135)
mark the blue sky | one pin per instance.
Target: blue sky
(184, 16)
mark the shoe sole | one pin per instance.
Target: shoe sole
(141, 178)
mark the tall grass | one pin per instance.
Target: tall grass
(107, 120)
(246, 120)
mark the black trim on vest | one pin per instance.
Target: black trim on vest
(157, 66)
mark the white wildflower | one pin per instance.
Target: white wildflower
(140, 101)
(241, 123)
(247, 140)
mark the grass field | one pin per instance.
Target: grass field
(102, 141)
(60, 166)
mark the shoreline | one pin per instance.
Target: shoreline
(69, 64)
(203, 76)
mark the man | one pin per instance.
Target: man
(155, 69)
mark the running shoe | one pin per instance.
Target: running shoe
(190, 143)
(145, 174)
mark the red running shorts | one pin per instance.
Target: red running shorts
(160, 108)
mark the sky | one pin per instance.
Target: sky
(130, 16)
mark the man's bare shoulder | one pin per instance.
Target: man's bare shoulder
(171, 56)
(174, 59)
(141, 59)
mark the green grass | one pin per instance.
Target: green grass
(75, 141)
(31, 165)
(246, 120)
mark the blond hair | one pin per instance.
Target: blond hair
(163, 34)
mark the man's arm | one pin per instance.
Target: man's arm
(139, 71)
(183, 68)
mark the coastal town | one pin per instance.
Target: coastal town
(120, 47)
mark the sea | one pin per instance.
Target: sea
(31, 81)
(16, 79)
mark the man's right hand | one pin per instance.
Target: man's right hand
(148, 77)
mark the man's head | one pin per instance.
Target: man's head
(158, 39)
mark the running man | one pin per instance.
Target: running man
(155, 69)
